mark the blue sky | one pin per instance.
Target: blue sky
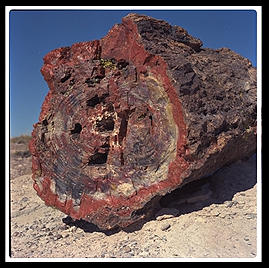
(34, 33)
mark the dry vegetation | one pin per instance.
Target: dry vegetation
(23, 139)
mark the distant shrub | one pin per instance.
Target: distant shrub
(22, 154)
(23, 139)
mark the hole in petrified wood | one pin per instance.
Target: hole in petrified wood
(110, 107)
(90, 82)
(142, 116)
(72, 82)
(94, 80)
(66, 77)
(92, 102)
(124, 115)
(45, 122)
(121, 159)
(98, 159)
(105, 124)
(43, 137)
(106, 144)
(122, 64)
(77, 129)
(150, 117)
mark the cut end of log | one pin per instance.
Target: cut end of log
(135, 115)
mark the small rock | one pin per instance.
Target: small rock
(251, 216)
(165, 226)
(73, 229)
(58, 236)
(16, 234)
(200, 220)
(21, 208)
(214, 213)
(65, 234)
(230, 203)
(166, 213)
(127, 249)
(63, 227)
(24, 199)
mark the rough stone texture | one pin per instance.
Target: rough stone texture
(135, 115)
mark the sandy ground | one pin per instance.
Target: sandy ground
(213, 218)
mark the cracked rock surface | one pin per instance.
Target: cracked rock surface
(135, 115)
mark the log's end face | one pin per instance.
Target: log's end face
(105, 138)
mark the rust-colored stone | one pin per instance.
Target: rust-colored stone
(135, 115)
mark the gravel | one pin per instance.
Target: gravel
(221, 223)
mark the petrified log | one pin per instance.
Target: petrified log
(135, 115)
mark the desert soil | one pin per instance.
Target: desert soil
(213, 218)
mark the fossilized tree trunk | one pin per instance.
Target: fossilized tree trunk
(136, 115)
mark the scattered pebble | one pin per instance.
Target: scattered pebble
(73, 229)
(58, 236)
(166, 213)
(251, 216)
(165, 226)
(24, 199)
(65, 234)
(127, 249)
